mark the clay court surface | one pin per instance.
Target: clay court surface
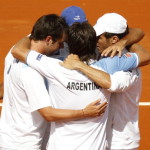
(18, 16)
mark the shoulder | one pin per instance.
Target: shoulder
(28, 72)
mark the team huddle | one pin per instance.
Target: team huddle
(72, 86)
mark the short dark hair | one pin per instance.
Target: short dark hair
(82, 41)
(49, 25)
(121, 35)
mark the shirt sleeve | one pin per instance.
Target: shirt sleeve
(127, 62)
(46, 66)
(35, 89)
(122, 81)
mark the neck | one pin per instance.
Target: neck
(38, 46)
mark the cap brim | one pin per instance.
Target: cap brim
(98, 29)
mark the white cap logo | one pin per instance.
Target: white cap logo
(76, 18)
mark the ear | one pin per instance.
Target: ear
(114, 39)
(49, 40)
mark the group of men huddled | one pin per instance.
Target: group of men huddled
(73, 86)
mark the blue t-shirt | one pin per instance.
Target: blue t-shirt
(126, 62)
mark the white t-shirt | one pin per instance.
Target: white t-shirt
(22, 126)
(122, 126)
(72, 90)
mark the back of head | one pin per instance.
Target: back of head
(82, 41)
(49, 25)
(73, 14)
(111, 23)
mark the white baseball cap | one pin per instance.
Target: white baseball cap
(111, 23)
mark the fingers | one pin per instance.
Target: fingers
(95, 109)
(106, 52)
(61, 63)
(102, 108)
(102, 112)
(72, 56)
(113, 53)
(97, 102)
(120, 53)
(103, 104)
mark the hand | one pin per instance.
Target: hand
(114, 49)
(71, 62)
(95, 109)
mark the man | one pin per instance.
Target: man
(122, 126)
(71, 15)
(26, 105)
(78, 88)
(74, 14)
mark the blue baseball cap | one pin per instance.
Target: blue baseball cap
(73, 14)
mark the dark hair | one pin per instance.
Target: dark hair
(49, 25)
(121, 35)
(82, 41)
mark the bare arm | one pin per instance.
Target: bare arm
(134, 36)
(94, 109)
(21, 49)
(1, 90)
(73, 62)
(144, 55)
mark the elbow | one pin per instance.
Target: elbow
(48, 118)
(146, 61)
(14, 51)
(48, 113)
(108, 85)
(142, 33)
(108, 82)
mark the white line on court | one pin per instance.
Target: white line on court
(144, 103)
(140, 104)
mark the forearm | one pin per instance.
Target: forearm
(99, 77)
(143, 54)
(21, 49)
(52, 114)
(134, 36)
(93, 109)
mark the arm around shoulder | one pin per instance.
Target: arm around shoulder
(143, 54)
(21, 49)
(94, 109)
